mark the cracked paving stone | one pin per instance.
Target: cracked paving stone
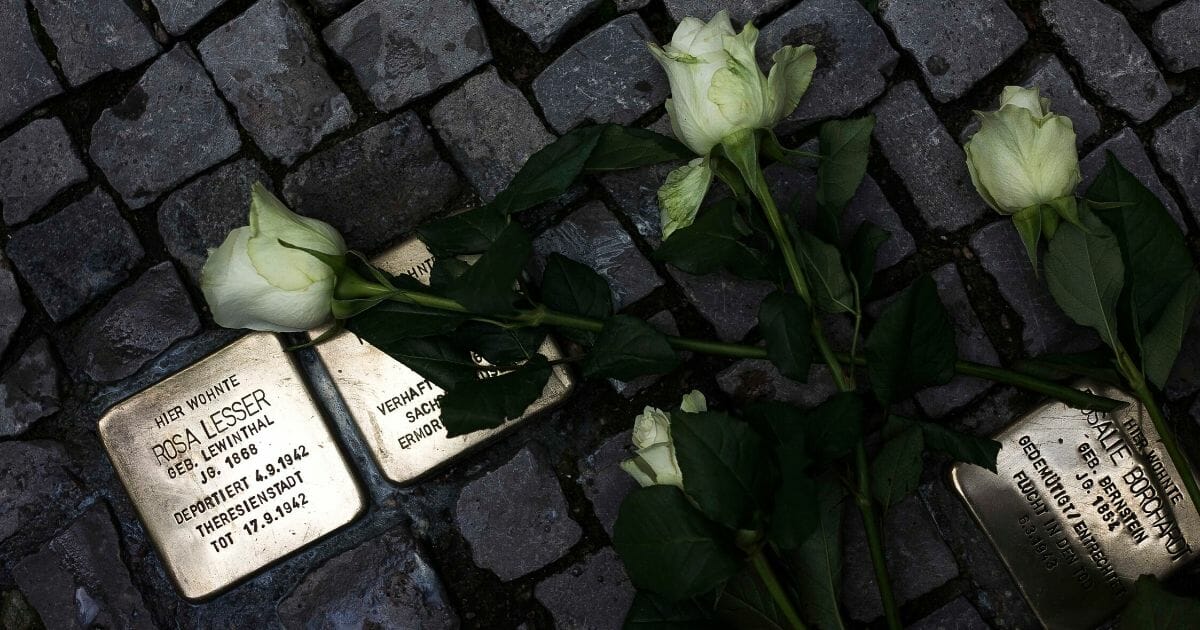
(608, 76)
(594, 593)
(973, 345)
(170, 126)
(1132, 154)
(490, 130)
(1047, 328)
(29, 390)
(268, 63)
(36, 163)
(854, 57)
(180, 15)
(376, 186)
(603, 481)
(12, 309)
(94, 36)
(1176, 36)
(516, 518)
(1115, 63)
(591, 235)
(66, 273)
(24, 72)
(404, 49)
(954, 43)
(1177, 145)
(386, 582)
(79, 581)
(544, 22)
(1053, 82)
(957, 615)
(37, 485)
(740, 11)
(932, 166)
(754, 380)
(728, 302)
(198, 217)
(136, 325)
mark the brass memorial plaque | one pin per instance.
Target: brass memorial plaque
(230, 465)
(397, 409)
(1083, 503)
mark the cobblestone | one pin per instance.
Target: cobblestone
(29, 390)
(957, 615)
(36, 163)
(178, 16)
(66, 273)
(12, 309)
(603, 481)
(954, 43)
(544, 22)
(932, 165)
(94, 37)
(1185, 377)
(1132, 154)
(1176, 37)
(404, 49)
(79, 581)
(752, 380)
(386, 582)
(729, 303)
(608, 76)
(267, 62)
(490, 130)
(24, 72)
(170, 126)
(973, 345)
(377, 185)
(199, 216)
(515, 517)
(740, 11)
(138, 323)
(1177, 145)
(1115, 63)
(36, 484)
(854, 57)
(594, 593)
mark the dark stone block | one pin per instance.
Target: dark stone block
(12, 310)
(594, 593)
(753, 380)
(957, 615)
(37, 485)
(1177, 145)
(1176, 36)
(1132, 154)
(740, 11)
(29, 390)
(729, 303)
(603, 481)
(24, 72)
(973, 345)
(36, 163)
(95, 36)
(544, 22)
(180, 15)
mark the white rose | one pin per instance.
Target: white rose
(252, 281)
(654, 462)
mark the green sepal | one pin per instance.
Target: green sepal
(1029, 227)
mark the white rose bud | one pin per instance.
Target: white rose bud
(654, 462)
(253, 281)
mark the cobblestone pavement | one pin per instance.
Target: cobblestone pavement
(129, 133)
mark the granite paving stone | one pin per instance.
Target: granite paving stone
(608, 76)
(957, 615)
(1131, 152)
(12, 309)
(593, 594)
(1047, 328)
(377, 185)
(630, 5)
(923, 154)
(1176, 36)
(955, 44)
(544, 22)
(1185, 376)
(181, 15)
(198, 217)
(95, 36)
(385, 582)
(591, 235)
(24, 72)
(994, 412)
(728, 302)
(170, 126)
(36, 163)
(603, 481)
(139, 322)
(1177, 145)
(490, 130)
(753, 380)
(404, 49)
(973, 345)
(1055, 83)
(635, 194)
(740, 11)
(37, 485)
(854, 57)
(1114, 61)
(77, 254)
(268, 64)
(78, 580)
(516, 517)
(29, 390)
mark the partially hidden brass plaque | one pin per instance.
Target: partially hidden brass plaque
(396, 409)
(230, 465)
(1082, 504)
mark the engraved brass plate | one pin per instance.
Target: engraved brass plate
(230, 465)
(396, 409)
(1083, 503)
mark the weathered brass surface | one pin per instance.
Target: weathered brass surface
(1083, 503)
(396, 409)
(230, 465)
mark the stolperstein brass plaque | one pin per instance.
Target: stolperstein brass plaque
(230, 465)
(1083, 503)
(396, 409)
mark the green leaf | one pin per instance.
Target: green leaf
(467, 232)
(500, 345)
(960, 446)
(833, 428)
(548, 173)
(912, 344)
(896, 469)
(488, 286)
(786, 322)
(818, 562)
(630, 147)
(845, 145)
(445, 272)
(627, 348)
(435, 358)
(1093, 364)
(669, 547)
(795, 516)
(574, 288)
(776, 421)
(485, 403)
(1155, 608)
(1161, 344)
(391, 321)
(827, 279)
(653, 612)
(862, 251)
(725, 466)
(746, 604)
(1085, 275)
(715, 241)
